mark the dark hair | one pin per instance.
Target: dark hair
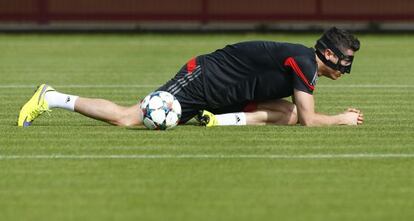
(342, 39)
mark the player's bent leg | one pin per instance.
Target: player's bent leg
(208, 119)
(279, 112)
(109, 112)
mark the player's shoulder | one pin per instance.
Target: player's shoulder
(285, 49)
(304, 62)
(286, 46)
(299, 50)
(301, 53)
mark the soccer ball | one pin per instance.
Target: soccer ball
(161, 111)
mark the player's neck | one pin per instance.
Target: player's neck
(320, 64)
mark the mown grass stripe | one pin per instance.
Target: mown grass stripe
(153, 86)
(213, 156)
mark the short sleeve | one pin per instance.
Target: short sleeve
(304, 73)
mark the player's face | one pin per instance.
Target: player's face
(335, 74)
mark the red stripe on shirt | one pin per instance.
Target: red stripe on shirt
(191, 65)
(292, 63)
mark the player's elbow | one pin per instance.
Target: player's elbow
(307, 124)
(307, 121)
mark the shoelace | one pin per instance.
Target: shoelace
(38, 112)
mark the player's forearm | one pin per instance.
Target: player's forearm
(317, 119)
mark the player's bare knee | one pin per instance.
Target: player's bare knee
(124, 121)
(124, 118)
(293, 118)
(292, 115)
(119, 120)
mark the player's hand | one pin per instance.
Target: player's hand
(360, 118)
(353, 116)
(353, 110)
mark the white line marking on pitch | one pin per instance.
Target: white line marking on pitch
(368, 86)
(212, 156)
(86, 86)
(155, 86)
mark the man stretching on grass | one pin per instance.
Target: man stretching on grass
(241, 84)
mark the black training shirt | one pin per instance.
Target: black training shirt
(257, 71)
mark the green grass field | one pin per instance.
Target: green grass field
(68, 167)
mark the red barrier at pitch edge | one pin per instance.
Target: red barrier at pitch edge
(46, 11)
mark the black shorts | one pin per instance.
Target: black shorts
(188, 87)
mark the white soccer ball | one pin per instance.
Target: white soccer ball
(160, 111)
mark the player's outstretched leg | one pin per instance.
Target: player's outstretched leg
(46, 98)
(109, 112)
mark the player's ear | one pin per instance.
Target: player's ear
(328, 53)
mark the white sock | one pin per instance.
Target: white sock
(59, 100)
(231, 119)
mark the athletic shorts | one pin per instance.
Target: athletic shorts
(187, 86)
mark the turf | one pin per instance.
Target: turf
(68, 167)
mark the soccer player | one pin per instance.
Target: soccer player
(240, 84)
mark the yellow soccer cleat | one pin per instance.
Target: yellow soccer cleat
(34, 107)
(207, 119)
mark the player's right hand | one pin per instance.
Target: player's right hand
(353, 116)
